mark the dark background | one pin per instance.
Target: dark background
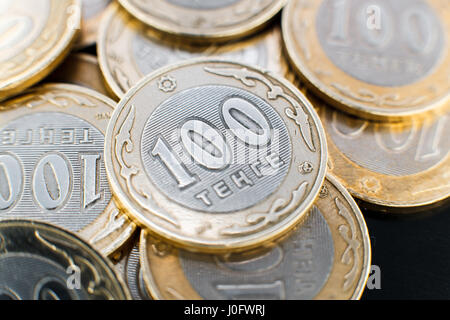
(413, 253)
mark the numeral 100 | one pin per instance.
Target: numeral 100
(52, 180)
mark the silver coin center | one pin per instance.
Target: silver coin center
(52, 170)
(203, 4)
(216, 149)
(382, 42)
(297, 269)
(397, 150)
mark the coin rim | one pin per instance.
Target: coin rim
(242, 30)
(436, 106)
(125, 202)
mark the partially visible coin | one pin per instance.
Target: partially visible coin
(81, 69)
(396, 166)
(128, 50)
(377, 59)
(91, 14)
(205, 20)
(41, 262)
(35, 35)
(215, 155)
(326, 257)
(129, 267)
(52, 163)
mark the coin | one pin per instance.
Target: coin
(326, 257)
(91, 14)
(205, 20)
(52, 163)
(129, 267)
(381, 59)
(35, 36)
(128, 50)
(215, 155)
(398, 167)
(81, 69)
(42, 262)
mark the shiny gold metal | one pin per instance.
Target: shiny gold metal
(368, 58)
(36, 36)
(128, 50)
(205, 21)
(205, 204)
(396, 167)
(327, 257)
(81, 69)
(91, 14)
(52, 139)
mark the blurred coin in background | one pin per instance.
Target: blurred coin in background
(128, 50)
(81, 69)
(41, 262)
(397, 167)
(381, 60)
(205, 20)
(326, 257)
(52, 163)
(35, 35)
(91, 14)
(215, 155)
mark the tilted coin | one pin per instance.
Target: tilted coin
(395, 166)
(129, 267)
(81, 69)
(128, 50)
(91, 14)
(205, 20)
(381, 60)
(52, 163)
(326, 257)
(42, 262)
(35, 35)
(215, 155)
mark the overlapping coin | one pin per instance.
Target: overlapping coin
(35, 36)
(327, 257)
(52, 163)
(381, 60)
(215, 155)
(204, 20)
(128, 50)
(41, 262)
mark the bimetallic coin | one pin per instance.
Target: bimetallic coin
(52, 163)
(128, 50)
(41, 262)
(81, 69)
(35, 35)
(396, 166)
(91, 14)
(377, 59)
(326, 257)
(215, 155)
(205, 20)
(129, 267)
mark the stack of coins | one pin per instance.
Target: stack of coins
(211, 149)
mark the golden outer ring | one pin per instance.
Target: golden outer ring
(396, 194)
(166, 251)
(90, 230)
(18, 83)
(352, 106)
(110, 267)
(134, 212)
(242, 30)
